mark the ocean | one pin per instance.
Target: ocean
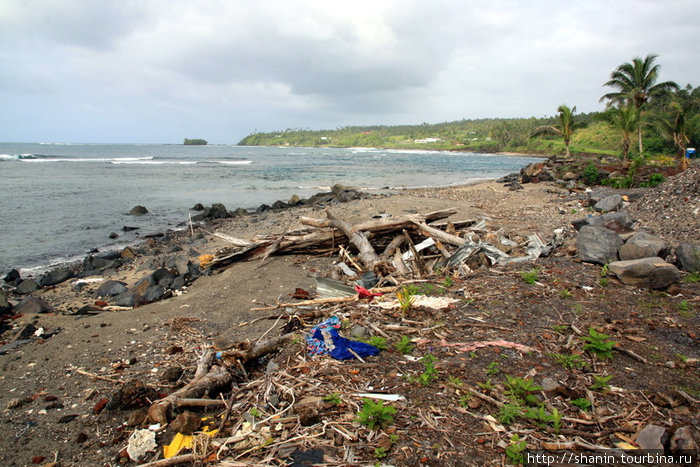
(59, 201)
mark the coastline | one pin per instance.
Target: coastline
(96, 349)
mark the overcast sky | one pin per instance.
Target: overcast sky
(162, 70)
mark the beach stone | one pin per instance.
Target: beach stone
(128, 228)
(129, 298)
(110, 288)
(643, 245)
(654, 273)
(294, 200)
(98, 263)
(682, 441)
(138, 211)
(216, 211)
(689, 256)
(263, 208)
(197, 207)
(651, 437)
(605, 220)
(568, 176)
(279, 205)
(128, 252)
(179, 282)
(179, 263)
(5, 305)
(597, 244)
(154, 293)
(609, 204)
(239, 212)
(12, 277)
(33, 305)
(55, 277)
(113, 235)
(27, 286)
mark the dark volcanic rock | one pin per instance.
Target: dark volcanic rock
(129, 298)
(623, 217)
(654, 273)
(689, 256)
(55, 277)
(643, 245)
(27, 286)
(33, 305)
(5, 305)
(609, 204)
(597, 244)
(12, 277)
(138, 211)
(99, 263)
(110, 288)
(198, 207)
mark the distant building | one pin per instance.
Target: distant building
(427, 140)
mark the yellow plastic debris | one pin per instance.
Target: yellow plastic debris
(204, 260)
(178, 443)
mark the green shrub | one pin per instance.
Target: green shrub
(591, 175)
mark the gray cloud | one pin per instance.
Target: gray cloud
(137, 70)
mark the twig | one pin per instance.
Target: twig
(632, 354)
(171, 461)
(104, 378)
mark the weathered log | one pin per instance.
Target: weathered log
(366, 254)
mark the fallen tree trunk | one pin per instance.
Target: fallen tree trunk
(367, 255)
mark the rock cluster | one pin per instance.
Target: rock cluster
(338, 194)
(638, 258)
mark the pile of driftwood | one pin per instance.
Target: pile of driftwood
(386, 246)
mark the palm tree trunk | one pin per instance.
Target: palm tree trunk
(639, 136)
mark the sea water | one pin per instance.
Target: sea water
(59, 201)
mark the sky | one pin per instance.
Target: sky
(159, 71)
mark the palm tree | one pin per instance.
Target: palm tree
(623, 118)
(565, 127)
(636, 84)
(677, 128)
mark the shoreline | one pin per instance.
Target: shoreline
(75, 260)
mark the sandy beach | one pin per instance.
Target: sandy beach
(52, 387)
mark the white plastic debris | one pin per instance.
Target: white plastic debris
(141, 442)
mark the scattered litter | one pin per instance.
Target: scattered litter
(141, 442)
(324, 339)
(384, 397)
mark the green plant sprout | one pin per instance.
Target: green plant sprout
(569, 361)
(601, 382)
(493, 368)
(598, 344)
(582, 403)
(522, 389)
(514, 451)
(375, 415)
(530, 276)
(404, 345)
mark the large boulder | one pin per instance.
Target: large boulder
(597, 244)
(110, 288)
(643, 245)
(27, 286)
(178, 263)
(55, 277)
(609, 204)
(12, 277)
(129, 298)
(93, 263)
(216, 211)
(689, 256)
(653, 273)
(33, 305)
(606, 220)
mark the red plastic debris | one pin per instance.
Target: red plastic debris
(364, 293)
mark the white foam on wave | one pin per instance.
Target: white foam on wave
(150, 162)
(234, 162)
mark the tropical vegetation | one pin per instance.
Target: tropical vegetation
(662, 116)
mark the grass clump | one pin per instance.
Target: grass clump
(530, 276)
(404, 345)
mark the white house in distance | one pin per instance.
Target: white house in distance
(427, 140)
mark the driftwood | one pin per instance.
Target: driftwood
(209, 377)
(333, 231)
